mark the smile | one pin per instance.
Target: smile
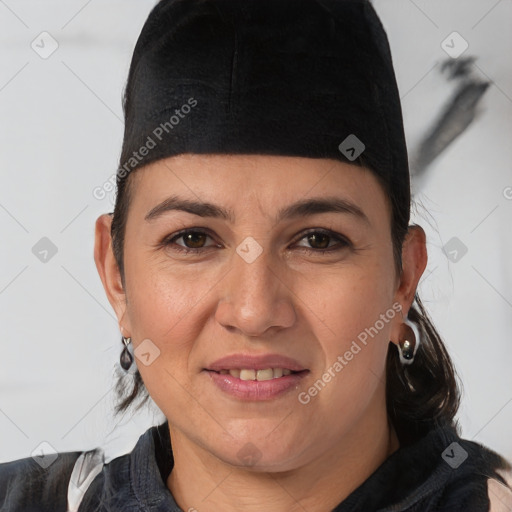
(260, 375)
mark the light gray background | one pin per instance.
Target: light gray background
(60, 136)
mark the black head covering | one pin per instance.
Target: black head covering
(310, 78)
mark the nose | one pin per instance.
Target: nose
(255, 298)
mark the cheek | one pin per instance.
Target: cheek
(352, 299)
(353, 318)
(166, 310)
(165, 307)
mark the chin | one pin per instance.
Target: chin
(259, 454)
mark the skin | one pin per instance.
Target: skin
(197, 308)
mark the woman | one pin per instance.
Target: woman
(263, 272)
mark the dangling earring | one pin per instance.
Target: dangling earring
(126, 358)
(409, 341)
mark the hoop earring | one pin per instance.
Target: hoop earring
(126, 358)
(409, 341)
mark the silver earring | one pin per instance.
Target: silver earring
(409, 341)
(126, 358)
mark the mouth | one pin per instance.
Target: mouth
(256, 377)
(256, 384)
(259, 375)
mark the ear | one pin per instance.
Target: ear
(109, 271)
(414, 262)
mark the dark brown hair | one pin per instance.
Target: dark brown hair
(419, 397)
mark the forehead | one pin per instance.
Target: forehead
(246, 182)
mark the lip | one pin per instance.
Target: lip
(252, 362)
(253, 390)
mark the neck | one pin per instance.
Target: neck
(201, 482)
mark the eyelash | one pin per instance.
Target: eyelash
(344, 242)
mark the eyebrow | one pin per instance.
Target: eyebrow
(304, 207)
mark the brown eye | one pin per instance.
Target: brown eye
(320, 242)
(194, 239)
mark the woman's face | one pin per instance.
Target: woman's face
(310, 288)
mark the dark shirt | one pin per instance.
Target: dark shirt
(441, 472)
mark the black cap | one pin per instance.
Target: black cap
(310, 78)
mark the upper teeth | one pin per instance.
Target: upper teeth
(267, 374)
